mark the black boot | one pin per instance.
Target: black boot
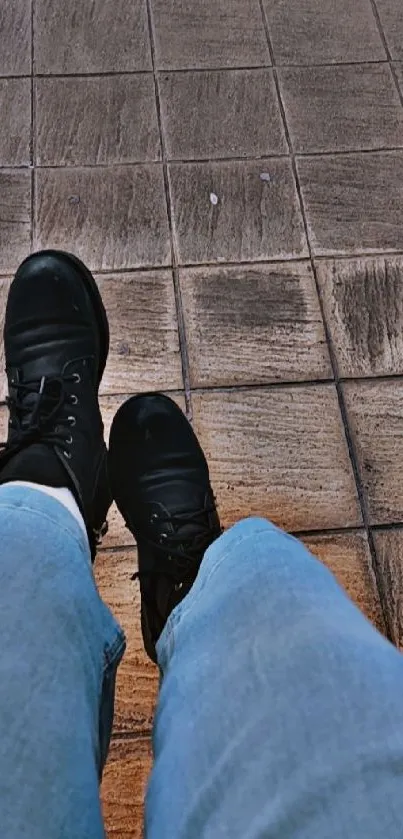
(160, 481)
(56, 342)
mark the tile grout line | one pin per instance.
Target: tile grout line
(351, 529)
(258, 387)
(333, 359)
(144, 269)
(386, 150)
(140, 736)
(175, 271)
(212, 69)
(386, 48)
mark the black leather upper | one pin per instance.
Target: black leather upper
(160, 481)
(56, 342)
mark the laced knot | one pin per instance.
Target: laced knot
(179, 547)
(38, 411)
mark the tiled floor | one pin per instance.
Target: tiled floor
(232, 171)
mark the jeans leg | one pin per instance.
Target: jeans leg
(280, 714)
(60, 648)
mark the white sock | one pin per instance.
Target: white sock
(61, 494)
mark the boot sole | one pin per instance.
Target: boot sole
(96, 300)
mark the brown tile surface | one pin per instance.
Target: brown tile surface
(342, 108)
(363, 304)
(228, 113)
(375, 413)
(15, 125)
(96, 120)
(15, 38)
(253, 324)
(111, 217)
(333, 31)
(390, 12)
(252, 219)
(389, 551)
(348, 556)
(15, 217)
(214, 33)
(144, 351)
(124, 786)
(354, 202)
(137, 680)
(278, 453)
(96, 37)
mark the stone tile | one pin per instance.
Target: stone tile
(112, 218)
(272, 454)
(144, 350)
(233, 113)
(15, 218)
(389, 551)
(348, 556)
(253, 324)
(303, 33)
(4, 289)
(124, 786)
(342, 108)
(363, 304)
(118, 535)
(96, 120)
(375, 413)
(15, 125)
(137, 680)
(226, 212)
(353, 203)
(15, 38)
(94, 37)
(214, 33)
(390, 13)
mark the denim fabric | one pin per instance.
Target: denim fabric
(280, 713)
(59, 654)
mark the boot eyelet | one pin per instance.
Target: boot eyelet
(69, 440)
(73, 399)
(67, 455)
(163, 537)
(72, 420)
(154, 518)
(77, 378)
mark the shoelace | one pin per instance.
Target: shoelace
(183, 565)
(41, 421)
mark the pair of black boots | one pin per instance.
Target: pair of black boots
(56, 341)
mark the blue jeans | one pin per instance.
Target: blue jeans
(280, 713)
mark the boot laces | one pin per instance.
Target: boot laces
(183, 551)
(37, 412)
